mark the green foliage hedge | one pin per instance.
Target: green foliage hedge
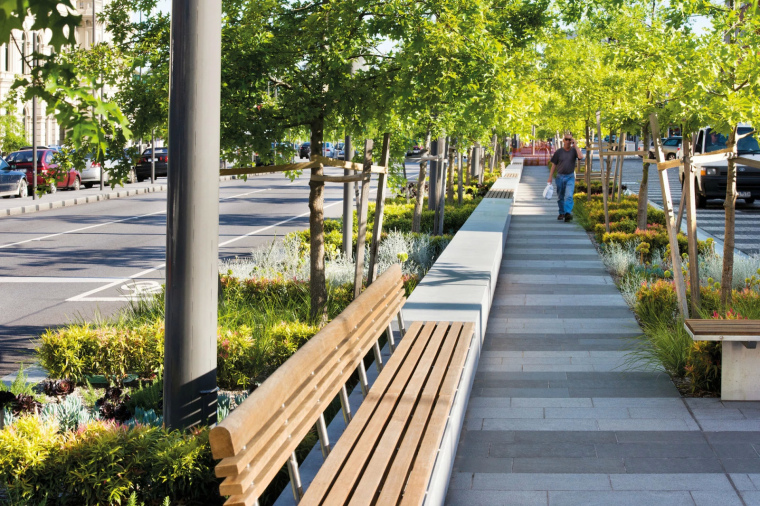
(105, 463)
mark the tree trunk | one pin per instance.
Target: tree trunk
(726, 279)
(317, 280)
(417, 217)
(691, 226)
(644, 186)
(460, 182)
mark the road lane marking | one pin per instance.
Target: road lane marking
(79, 229)
(50, 279)
(50, 236)
(81, 297)
(85, 297)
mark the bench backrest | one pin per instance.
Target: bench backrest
(258, 437)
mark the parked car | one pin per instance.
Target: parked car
(22, 160)
(328, 149)
(305, 150)
(143, 168)
(414, 151)
(91, 173)
(671, 148)
(711, 176)
(12, 182)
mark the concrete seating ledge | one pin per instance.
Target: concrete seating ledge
(459, 287)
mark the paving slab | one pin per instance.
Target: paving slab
(560, 414)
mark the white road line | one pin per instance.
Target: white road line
(81, 297)
(121, 220)
(225, 243)
(80, 229)
(85, 296)
(43, 279)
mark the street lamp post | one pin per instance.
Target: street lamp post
(34, 124)
(192, 222)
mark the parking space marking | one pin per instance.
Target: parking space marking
(89, 227)
(79, 229)
(85, 297)
(51, 279)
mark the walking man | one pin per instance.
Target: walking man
(563, 161)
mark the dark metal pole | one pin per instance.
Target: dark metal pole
(433, 186)
(192, 222)
(348, 204)
(34, 126)
(153, 156)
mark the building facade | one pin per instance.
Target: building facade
(15, 53)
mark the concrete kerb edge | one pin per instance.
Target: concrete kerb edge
(439, 481)
(443, 466)
(57, 204)
(703, 236)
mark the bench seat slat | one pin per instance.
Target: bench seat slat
(410, 427)
(416, 486)
(710, 330)
(413, 342)
(272, 453)
(399, 399)
(402, 462)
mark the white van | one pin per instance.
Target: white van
(711, 177)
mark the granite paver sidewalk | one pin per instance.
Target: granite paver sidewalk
(557, 416)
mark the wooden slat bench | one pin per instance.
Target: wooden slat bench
(388, 449)
(740, 360)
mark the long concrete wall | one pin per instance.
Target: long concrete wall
(460, 287)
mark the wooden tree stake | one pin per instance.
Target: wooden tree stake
(363, 203)
(589, 159)
(604, 173)
(691, 225)
(379, 209)
(667, 205)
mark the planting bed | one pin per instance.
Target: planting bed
(640, 262)
(74, 441)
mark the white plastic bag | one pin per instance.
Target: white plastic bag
(548, 191)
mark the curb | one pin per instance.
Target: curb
(45, 206)
(702, 235)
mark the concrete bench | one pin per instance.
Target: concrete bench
(387, 451)
(740, 358)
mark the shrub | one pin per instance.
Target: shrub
(105, 463)
(246, 357)
(76, 351)
(703, 368)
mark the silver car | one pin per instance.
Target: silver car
(12, 182)
(91, 173)
(671, 148)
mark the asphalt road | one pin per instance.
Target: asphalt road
(84, 262)
(712, 218)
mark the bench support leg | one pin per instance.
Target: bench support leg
(378, 357)
(401, 327)
(324, 440)
(391, 341)
(295, 477)
(363, 382)
(344, 404)
(740, 372)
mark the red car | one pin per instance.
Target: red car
(22, 160)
